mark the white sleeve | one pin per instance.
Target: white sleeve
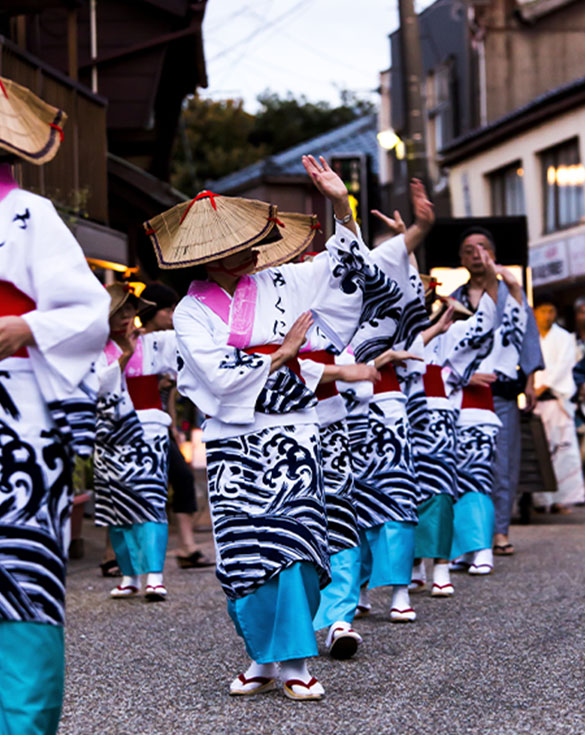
(468, 342)
(222, 381)
(163, 351)
(311, 372)
(508, 337)
(391, 256)
(70, 322)
(559, 372)
(331, 286)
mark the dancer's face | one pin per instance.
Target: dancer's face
(121, 319)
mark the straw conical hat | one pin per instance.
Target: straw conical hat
(296, 233)
(209, 227)
(29, 128)
(459, 311)
(120, 293)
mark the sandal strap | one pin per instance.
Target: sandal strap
(254, 679)
(298, 683)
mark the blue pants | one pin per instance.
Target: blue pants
(473, 526)
(276, 620)
(140, 548)
(32, 678)
(340, 598)
(434, 533)
(387, 554)
(506, 466)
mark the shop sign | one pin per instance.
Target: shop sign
(549, 263)
(576, 246)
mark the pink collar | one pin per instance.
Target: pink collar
(7, 180)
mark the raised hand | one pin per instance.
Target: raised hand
(396, 225)
(325, 179)
(422, 207)
(445, 320)
(509, 279)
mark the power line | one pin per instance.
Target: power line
(260, 30)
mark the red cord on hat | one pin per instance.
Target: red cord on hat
(150, 232)
(60, 130)
(202, 195)
(276, 220)
(3, 88)
(316, 226)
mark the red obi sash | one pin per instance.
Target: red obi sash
(293, 363)
(15, 303)
(326, 390)
(389, 381)
(477, 397)
(433, 382)
(144, 392)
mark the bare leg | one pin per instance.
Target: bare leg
(187, 543)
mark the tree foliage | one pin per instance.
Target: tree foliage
(216, 138)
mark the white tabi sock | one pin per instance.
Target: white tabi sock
(483, 556)
(419, 571)
(270, 671)
(364, 600)
(441, 574)
(127, 581)
(154, 579)
(400, 597)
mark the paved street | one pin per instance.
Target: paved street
(505, 656)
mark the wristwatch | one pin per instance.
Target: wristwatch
(344, 220)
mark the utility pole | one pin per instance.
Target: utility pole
(416, 153)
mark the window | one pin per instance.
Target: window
(507, 190)
(440, 94)
(563, 177)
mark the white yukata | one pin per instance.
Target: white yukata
(47, 411)
(450, 359)
(557, 412)
(477, 430)
(262, 437)
(385, 479)
(340, 598)
(131, 453)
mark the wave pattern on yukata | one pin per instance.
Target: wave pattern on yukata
(339, 487)
(385, 479)
(130, 470)
(35, 503)
(434, 449)
(267, 505)
(476, 447)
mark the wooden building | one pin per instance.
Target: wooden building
(120, 69)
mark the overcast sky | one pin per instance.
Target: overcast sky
(310, 47)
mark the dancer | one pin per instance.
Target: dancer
(53, 326)
(454, 349)
(386, 486)
(154, 319)
(130, 459)
(477, 431)
(239, 332)
(340, 598)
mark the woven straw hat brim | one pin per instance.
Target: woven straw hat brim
(26, 124)
(205, 229)
(297, 232)
(460, 311)
(119, 295)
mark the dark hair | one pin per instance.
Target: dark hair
(180, 278)
(477, 230)
(545, 297)
(163, 297)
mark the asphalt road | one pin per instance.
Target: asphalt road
(504, 656)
